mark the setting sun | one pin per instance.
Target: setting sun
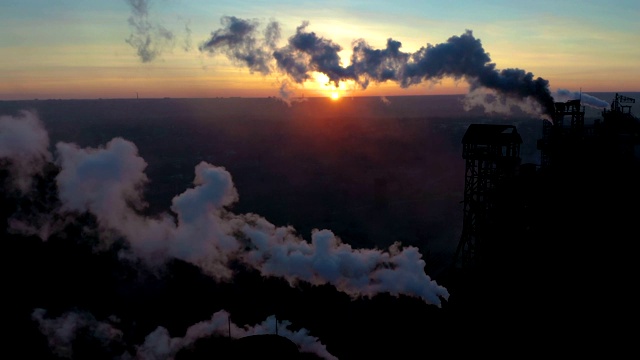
(335, 95)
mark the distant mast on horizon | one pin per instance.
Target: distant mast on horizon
(137, 97)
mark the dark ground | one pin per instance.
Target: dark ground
(372, 173)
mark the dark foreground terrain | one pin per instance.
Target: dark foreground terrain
(374, 173)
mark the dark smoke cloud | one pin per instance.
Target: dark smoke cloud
(149, 40)
(239, 40)
(460, 57)
(306, 52)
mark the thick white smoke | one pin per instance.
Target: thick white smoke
(200, 229)
(61, 333)
(24, 144)
(585, 99)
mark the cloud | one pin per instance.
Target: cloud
(24, 145)
(149, 39)
(585, 99)
(201, 229)
(65, 332)
(460, 57)
(108, 183)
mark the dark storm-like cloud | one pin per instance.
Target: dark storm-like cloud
(585, 99)
(307, 52)
(149, 39)
(378, 65)
(460, 57)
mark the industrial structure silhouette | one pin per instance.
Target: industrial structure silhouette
(492, 155)
(543, 251)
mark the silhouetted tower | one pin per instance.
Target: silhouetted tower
(492, 153)
(557, 133)
(617, 104)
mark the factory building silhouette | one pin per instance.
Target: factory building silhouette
(546, 246)
(568, 149)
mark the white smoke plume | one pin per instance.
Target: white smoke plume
(492, 103)
(63, 331)
(585, 99)
(24, 145)
(241, 42)
(202, 230)
(160, 345)
(108, 183)
(277, 251)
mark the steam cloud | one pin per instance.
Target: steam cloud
(61, 333)
(585, 99)
(108, 182)
(24, 147)
(148, 39)
(461, 57)
(200, 229)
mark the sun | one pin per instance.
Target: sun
(335, 95)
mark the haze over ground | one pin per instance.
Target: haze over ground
(139, 225)
(371, 180)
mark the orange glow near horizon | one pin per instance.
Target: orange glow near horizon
(92, 84)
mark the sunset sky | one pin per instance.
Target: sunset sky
(90, 49)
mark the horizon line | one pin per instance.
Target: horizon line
(265, 97)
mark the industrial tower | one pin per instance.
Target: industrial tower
(556, 132)
(492, 154)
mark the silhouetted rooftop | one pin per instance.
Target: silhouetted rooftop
(491, 134)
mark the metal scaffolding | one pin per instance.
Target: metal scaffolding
(492, 153)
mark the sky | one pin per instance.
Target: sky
(69, 49)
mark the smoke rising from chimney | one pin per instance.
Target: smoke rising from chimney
(460, 57)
